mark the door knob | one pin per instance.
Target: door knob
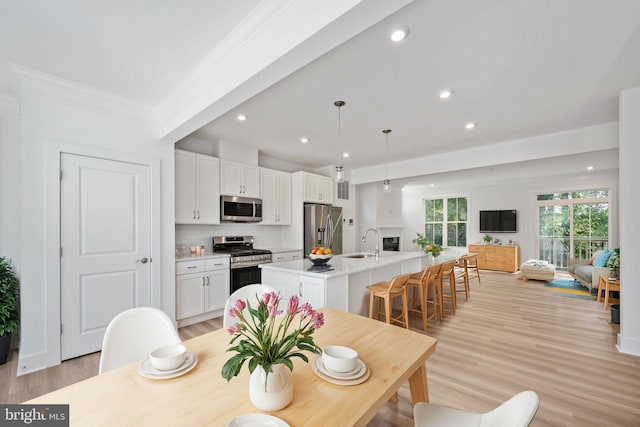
(143, 260)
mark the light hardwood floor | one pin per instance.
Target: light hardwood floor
(510, 336)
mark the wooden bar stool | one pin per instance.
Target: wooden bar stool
(472, 266)
(422, 283)
(462, 272)
(447, 273)
(388, 291)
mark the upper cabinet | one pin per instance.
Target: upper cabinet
(276, 197)
(197, 191)
(317, 188)
(237, 179)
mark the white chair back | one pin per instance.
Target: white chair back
(515, 412)
(133, 334)
(246, 292)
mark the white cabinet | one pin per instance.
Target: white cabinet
(202, 286)
(317, 188)
(238, 179)
(197, 188)
(308, 289)
(276, 197)
(286, 256)
(312, 291)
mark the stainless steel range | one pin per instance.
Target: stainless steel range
(245, 259)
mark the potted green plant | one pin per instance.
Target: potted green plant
(614, 263)
(9, 318)
(421, 241)
(487, 238)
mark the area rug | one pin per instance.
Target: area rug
(570, 288)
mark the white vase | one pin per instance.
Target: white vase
(271, 392)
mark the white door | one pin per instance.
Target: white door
(105, 265)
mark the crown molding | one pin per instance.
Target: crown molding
(41, 84)
(9, 105)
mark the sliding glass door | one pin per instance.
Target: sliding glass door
(572, 225)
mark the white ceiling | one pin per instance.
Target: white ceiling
(138, 49)
(518, 68)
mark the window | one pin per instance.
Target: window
(445, 221)
(572, 225)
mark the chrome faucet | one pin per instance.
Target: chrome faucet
(364, 239)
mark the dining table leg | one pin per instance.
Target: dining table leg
(418, 385)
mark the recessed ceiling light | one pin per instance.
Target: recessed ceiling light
(432, 185)
(470, 125)
(304, 140)
(345, 155)
(399, 34)
(446, 93)
(241, 117)
(590, 168)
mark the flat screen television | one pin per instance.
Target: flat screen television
(504, 221)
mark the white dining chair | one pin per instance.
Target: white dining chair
(133, 334)
(246, 292)
(515, 412)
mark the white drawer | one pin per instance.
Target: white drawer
(186, 267)
(217, 264)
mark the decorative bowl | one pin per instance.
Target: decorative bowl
(320, 259)
(168, 357)
(338, 358)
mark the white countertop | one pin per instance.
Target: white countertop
(189, 257)
(281, 250)
(341, 265)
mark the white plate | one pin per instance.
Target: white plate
(340, 381)
(257, 420)
(357, 372)
(147, 370)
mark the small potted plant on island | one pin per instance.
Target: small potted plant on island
(429, 248)
(9, 317)
(614, 263)
(487, 238)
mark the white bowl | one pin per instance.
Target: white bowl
(341, 359)
(168, 357)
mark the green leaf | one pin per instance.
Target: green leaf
(232, 367)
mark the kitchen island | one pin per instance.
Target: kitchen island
(342, 283)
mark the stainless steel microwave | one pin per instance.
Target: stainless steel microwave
(240, 209)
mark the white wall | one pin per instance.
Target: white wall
(54, 112)
(629, 338)
(519, 195)
(9, 185)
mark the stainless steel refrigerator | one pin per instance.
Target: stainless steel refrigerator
(322, 227)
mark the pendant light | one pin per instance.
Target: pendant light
(339, 168)
(386, 183)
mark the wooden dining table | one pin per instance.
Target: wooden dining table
(202, 397)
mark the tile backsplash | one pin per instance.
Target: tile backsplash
(266, 236)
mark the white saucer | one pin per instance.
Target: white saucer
(257, 420)
(340, 381)
(147, 370)
(357, 372)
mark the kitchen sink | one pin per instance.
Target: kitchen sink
(367, 255)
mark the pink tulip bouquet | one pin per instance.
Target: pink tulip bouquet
(265, 337)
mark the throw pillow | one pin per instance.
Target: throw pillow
(601, 260)
(594, 256)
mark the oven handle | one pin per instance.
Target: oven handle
(248, 264)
